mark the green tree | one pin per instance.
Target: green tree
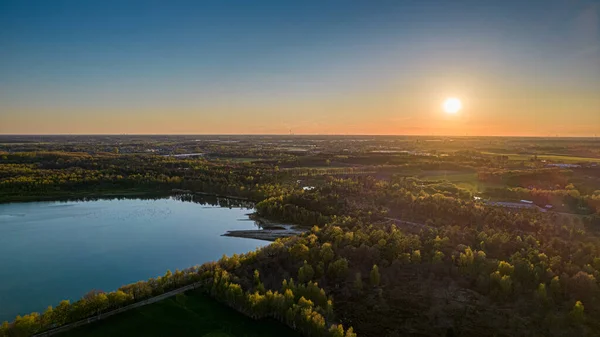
(259, 286)
(47, 318)
(306, 273)
(350, 332)
(577, 313)
(438, 257)
(117, 298)
(101, 302)
(358, 284)
(326, 253)
(541, 293)
(375, 277)
(305, 303)
(338, 269)
(336, 330)
(416, 256)
(256, 277)
(555, 287)
(26, 325)
(505, 268)
(288, 295)
(62, 312)
(4, 329)
(299, 252)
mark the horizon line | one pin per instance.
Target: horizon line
(291, 135)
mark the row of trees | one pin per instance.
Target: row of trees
(97, 302)
(304, 307)
(33, 175)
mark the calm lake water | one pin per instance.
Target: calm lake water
(50, 251)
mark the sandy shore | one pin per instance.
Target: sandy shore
(270, 231)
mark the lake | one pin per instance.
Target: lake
(50, 251)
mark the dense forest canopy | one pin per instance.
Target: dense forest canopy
(410, 236)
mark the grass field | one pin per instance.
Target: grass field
(189, 314)
(466, 180)
(554, 158)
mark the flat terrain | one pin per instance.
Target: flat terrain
(555, 158)
(464, 179)
(386, 280)
(189, 314)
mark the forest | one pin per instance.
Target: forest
(403, 239)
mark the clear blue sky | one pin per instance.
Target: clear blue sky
(520, 67)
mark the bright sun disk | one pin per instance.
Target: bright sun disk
(452, 105)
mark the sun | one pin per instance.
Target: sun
(452, 105)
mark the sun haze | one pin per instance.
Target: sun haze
(527, 68)
(452, 105)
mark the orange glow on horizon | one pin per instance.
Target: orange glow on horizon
(496, 111)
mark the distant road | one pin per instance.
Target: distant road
(517, 205)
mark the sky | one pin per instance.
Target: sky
(520, 68)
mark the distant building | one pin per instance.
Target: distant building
(185, 155)
(563, 165)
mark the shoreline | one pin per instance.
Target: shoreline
(76, 196)
(270, 230)
(83, 195)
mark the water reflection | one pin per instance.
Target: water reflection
(212, 200)
(51, 251)
(202, 199)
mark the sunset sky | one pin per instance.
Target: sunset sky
(313, 67)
